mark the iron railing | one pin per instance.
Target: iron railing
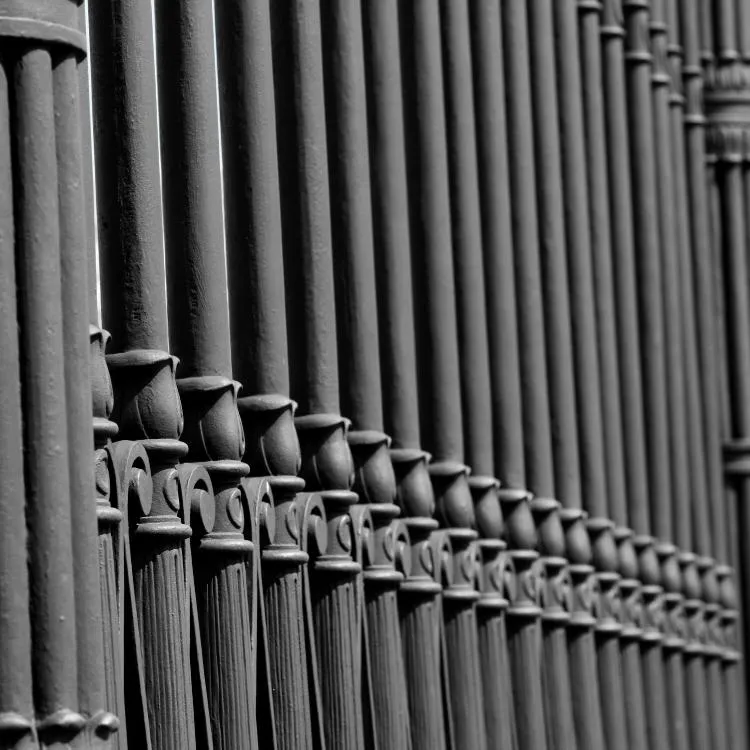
(424, 421)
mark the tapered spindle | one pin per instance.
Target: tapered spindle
(16, 698)
(259, 341)
(437, 339)
(417, 594)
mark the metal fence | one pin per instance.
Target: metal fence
(424, 417)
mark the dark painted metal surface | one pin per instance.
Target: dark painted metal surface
(511, 233)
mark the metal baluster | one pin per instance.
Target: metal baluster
(74, 262)
(628, 342)
(565, 482)
(419, 593)
(147, 406)
(326, 457)
(645, 87)
(609, 629)
(438, 352)
(726, 88)
(359, 360)
(580, 220)
(475, 376)
(669, 146)
(524, 630)
(502, 343)
(699, 274)
(16, 697)
(199, 331)
(259, 340)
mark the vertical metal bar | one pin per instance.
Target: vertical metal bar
(700, 274)
(259, 340)
(555, 222)
(502, 343)
(359, 360)
(199, 334)
(643, 129)
(42, 347)
(16, 697)
(726, 92)
(311, 324)
(523, 614)
(438, 345)
(667, 138)
(475, 372)
(700, 379)
(419, 592)
(628, 339)
(74, 262)
(590, 18)
(586, 363)
(147, 405)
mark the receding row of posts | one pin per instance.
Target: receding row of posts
(374, 374)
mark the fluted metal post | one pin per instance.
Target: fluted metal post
(635, 514)
(199, 334)
(359, 360)
(500, 301)
(419, 593)
(726, 95)
(580, 221)
(259, 342)
(438, 346)
(74, 266)
(608, 628)
(493, 692)
(651, 228)
(564, 483)
(699, 274)
(524, 628)
(147, 405)
(326, 456)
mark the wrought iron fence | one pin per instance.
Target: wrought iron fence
(414, 412)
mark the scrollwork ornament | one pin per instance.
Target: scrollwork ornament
(674, 624)
(584, 592)
(608, 603)
(631, 609)
(653, 612)
(555, 590)
(525, 583)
